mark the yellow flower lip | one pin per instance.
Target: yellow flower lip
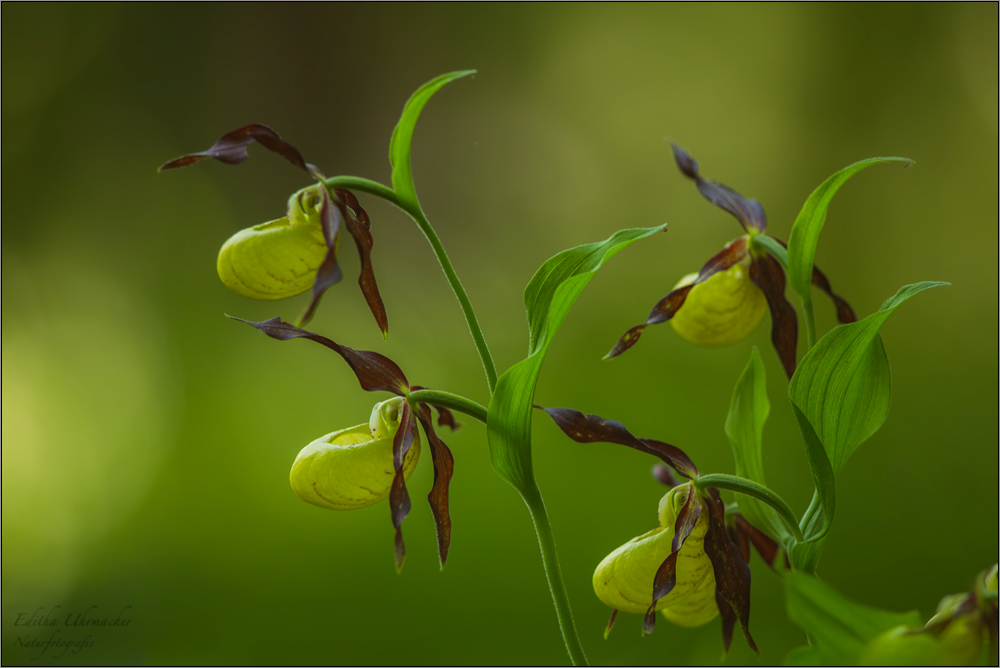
(624, 579)
(352, 468)
(722, 310)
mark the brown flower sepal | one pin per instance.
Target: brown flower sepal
(376, 372)
(335, 210)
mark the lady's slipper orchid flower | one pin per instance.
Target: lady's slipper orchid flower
(725, 301)
(286, 257)
(692, 566)
(362, 465)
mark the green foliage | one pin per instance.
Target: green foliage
(402, 135)
(548, 298)
(748, 412)
(809, 223)
(839, 629)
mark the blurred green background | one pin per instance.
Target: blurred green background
(147, 439)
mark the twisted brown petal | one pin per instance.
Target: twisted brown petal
(767, 547)
(444, 467)
(359, 225)
(399, 498)
(845, 314)
(666, 574)
(749, 212)
(669, 305)
(329, 271)
(375, 372)
(664, 475)
(594, 429)
(766, 274)
(231, 149)
(732, 575)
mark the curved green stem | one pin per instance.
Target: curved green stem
(557, 588)
(810, 318)
(448, 400)
(416, 213)
(755, 490)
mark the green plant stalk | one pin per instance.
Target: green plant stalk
(755, 490)
(414, 211)
(448, 400)
(557, 588)
(810, 318)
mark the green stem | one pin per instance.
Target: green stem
(450, 401)
(550, 561)
(755, 490)
(414, 211)
(810, 318)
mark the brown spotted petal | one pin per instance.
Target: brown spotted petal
(399, 498)
(231, 149)
(375, 372)
(666, 575)
(595, 429)
(444, 467)
(766, 546)
(359, 225)
(329, 272)
(732, 575)
(669, 305)
(766, 274)
(749, 212)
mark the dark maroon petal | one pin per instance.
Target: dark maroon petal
(611, 623)
(399, 498)
(375, 372)
(766, 274)
(767, 547)
(749, 212)
(232, 149)
(728, 620)
(329, 271)
(444, 467)
(595, 429)
(669, 305)
(845, 314)
(741, 541)
(666, 575)
(358, 224)
(665, 475)
(732, 575)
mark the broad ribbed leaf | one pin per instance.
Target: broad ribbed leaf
(402, 135)
(843, 384)
(838, 629)
(548, 298)
(748, 412)
(809, 223)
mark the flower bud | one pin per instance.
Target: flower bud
(624, 579)
(352, 468)
(722, 310)
(280, 258)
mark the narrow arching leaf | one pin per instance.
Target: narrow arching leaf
(444, 468)
(359, 225)
(399, 498)
(748, 412)
(595, 429)
(809, 223)
(838, 629)
(766, 274)
(843, 384)
(823, 479)
(329, 271)
(732, 575)
(548, 298)
(231, 149)
(749, 212)
(402, 135)
(375, 372)
(668, 306)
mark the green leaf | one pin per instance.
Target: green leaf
(748, 412)
(839, 629)
(818, 518)
(843, 384)
(548, 298)
(402, 135)
(809, 223)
